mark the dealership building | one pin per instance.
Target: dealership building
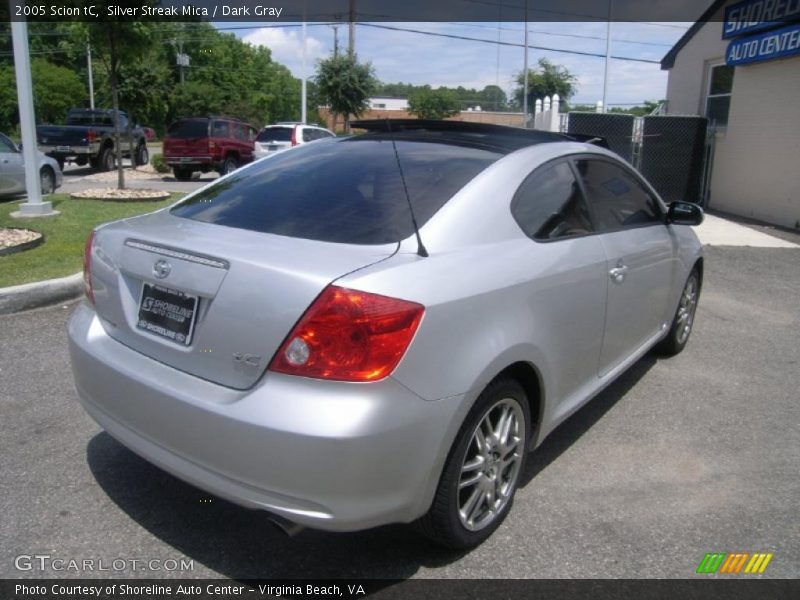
(739, 66)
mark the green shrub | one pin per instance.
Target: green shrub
(158, 164)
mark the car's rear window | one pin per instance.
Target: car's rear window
(190, 128)
(345, 190)
(275, 134)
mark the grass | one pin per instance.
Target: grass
(61, 254)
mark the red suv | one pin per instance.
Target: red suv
(208, 143)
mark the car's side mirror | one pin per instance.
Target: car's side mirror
(684, 213)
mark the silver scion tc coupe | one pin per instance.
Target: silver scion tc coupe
(377, 329)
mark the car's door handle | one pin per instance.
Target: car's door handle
(617, 274)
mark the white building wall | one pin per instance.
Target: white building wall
(756, 166)
(687, 83)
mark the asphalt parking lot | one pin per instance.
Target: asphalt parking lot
(679, 457)
(77, 179)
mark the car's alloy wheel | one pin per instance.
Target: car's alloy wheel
(229, 166)
(482, 471)
(682, 324)
(686, 309)
(491, 465)
(142, 155)
(47, 181)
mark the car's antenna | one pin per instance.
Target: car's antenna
(421, 251)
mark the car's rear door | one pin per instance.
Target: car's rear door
(640, 256)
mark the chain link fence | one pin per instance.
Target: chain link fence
(674, 153)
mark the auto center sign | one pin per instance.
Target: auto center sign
(778, 22)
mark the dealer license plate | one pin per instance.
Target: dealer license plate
(167, 313)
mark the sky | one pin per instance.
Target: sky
(404, 56)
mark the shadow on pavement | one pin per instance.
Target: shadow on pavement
(242, 544)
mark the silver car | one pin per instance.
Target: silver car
(377, 329)
(282, 136)
(12, 170)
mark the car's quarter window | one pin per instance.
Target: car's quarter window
(617, 200)
(6, 145)
(346, 190)
(219, 129)
(549, 204)
(308, 135)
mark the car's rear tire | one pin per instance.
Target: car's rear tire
(682, 323)
(482, 471)
(47, 180)
(182, 174)
(228, 166)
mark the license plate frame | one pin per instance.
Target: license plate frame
(164, 311)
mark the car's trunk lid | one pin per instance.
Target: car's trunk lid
(250, 290)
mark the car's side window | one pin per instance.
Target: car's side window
(616, 198)
(549, 204)
(308, 135)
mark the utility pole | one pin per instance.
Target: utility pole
(335, 28)
(303, 101)
(34, 206)
(91, 78)
(525, 76)
(182, 60)
(351, 40)
(608, 58)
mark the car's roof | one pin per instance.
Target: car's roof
(497, 137)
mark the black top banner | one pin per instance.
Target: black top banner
(364, 10)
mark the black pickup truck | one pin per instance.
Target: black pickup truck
(88, 138)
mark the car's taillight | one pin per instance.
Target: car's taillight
(91, 136)
(212, 145)
(348, 335)
(87, 267)
(294, 136)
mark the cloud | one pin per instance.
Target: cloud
(287, 47)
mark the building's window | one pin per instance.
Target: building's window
(718, 99)
(376, 105)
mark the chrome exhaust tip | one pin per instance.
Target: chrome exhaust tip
(286, 526)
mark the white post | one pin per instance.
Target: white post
(553, 122)
(91, 78)
(537, 107)
(34, 206)
(546, 106)
(599, 106)
(304, 77)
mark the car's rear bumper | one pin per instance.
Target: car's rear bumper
(329, 455)
(190, 161)
(69, 150)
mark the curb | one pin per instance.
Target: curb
(40, 293)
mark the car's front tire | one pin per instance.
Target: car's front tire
(482, 471)
(683, 322)
(47, 181)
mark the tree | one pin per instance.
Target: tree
(113, 40)
(545, 80)
(345, 85)
(494, 98)
(433, 104)
(55, 90)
